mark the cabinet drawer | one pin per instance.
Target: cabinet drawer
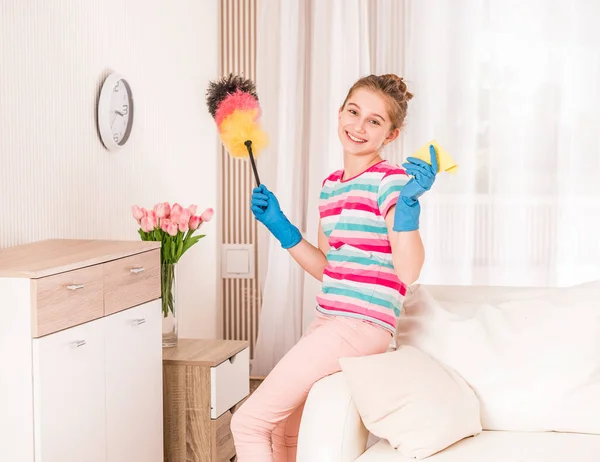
(131, 281)
(222, 439)
(65, 300)
(229, 383)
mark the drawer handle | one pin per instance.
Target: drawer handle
(137, 322)
(137, 270)
(75, 286)
(78, 343)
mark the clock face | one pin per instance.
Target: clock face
(115, 112)
(120, 107)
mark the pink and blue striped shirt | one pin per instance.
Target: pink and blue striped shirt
(359, 279)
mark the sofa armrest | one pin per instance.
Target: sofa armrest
(331, 429)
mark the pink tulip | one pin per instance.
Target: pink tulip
(172, 229)
(194, 222)
(146, 223)
(175, 217)
(207, 215)
(183, 227)
(164, 224)
(184, 217)
(176, 209)
(153, 219)
(137, 213)
(192, 209)
(162, 210)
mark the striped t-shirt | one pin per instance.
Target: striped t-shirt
(359, 279)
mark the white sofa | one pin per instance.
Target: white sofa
(531, 355)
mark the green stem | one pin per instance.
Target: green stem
(167, 280)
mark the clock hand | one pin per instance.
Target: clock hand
(120, 113)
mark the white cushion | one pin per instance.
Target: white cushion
(532, 356)
(504, 447)
(409, 399)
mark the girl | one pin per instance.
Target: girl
(369, 250)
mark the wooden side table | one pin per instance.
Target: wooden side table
(202, 381)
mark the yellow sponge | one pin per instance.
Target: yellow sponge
(445, 162)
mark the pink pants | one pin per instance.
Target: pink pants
(265, 428)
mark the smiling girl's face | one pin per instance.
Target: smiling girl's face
(364, 124)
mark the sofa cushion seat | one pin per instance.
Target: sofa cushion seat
(502, 446)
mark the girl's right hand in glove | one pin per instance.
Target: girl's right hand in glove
(265, 208)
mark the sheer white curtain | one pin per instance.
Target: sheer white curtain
(509, 88)
(512, 90)
(309, 54)
(281, 83)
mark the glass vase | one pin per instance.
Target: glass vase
(169, 304)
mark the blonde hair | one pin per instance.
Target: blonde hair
(392, 88)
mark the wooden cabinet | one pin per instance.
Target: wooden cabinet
(81, 346)
(203, 381)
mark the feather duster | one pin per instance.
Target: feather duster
(233, 103)
(239, 128)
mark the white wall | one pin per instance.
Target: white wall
(57, 180)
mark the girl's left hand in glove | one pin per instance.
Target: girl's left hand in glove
(408, 209)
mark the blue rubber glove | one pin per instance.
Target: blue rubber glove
(265, 207)
(408, 209)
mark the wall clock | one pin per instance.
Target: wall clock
(115, 112)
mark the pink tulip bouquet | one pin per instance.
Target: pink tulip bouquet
(174, 226)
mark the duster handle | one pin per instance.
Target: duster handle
(248, 144)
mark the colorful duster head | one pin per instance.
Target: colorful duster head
(233, 103)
